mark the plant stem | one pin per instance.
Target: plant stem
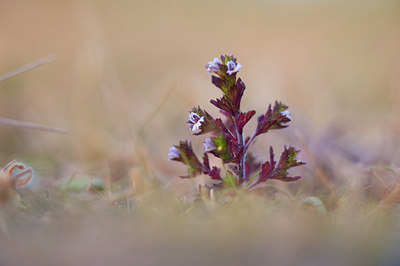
(244, 155)
(252, 138)
(239, 137)
(243, 161)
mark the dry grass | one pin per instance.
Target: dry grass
(125, 75)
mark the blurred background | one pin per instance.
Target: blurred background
(127, 73)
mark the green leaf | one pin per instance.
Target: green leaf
(230, 179)
(222, 148)
(81, 183)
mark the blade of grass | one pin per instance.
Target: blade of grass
(251, 179)
(27, 67)
(30, 125)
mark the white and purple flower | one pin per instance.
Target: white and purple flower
(195, 121)
(287, 115)
(213, 66)
(233, 67)
(209, 145)
(174, 153)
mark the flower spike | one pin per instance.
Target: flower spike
(228, 141)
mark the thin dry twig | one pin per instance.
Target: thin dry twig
(320, 173)
(29, 125)
(32, 65)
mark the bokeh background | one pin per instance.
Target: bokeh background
(126, 74)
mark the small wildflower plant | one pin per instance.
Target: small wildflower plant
(227, 140)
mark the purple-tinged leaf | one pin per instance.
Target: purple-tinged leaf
(189, 158)
(243, 119)
(225, 104)
(288, 159)
(269, 170)
(206, 164)
(230, 101)
(275, 118)
(237, 93)
(217, 82)
(237, 152)
(215, 173)
(224, 130)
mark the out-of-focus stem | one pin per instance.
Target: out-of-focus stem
(244, 155)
